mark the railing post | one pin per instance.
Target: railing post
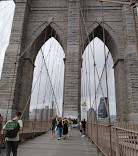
(46, 125)
(117, 141)
(97, 134)
(110, 129)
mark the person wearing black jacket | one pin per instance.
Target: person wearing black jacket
(65, 128)
(83, 123)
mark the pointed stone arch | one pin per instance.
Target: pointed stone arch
(40, 39)
(28, 65)
(111, 39)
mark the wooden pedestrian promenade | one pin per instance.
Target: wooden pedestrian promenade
(46, 145)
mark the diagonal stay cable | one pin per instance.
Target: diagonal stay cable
(27, 103)
(50, 81)
(1, 9)
(101, 76)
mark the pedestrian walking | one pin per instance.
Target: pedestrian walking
(59, 128)
(80, 127)
(12, 129)
(83, 125)
(65, 128)
(69, 126)
(53, 126)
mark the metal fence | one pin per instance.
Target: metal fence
(119, 139)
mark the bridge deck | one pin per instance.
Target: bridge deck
(45, 145)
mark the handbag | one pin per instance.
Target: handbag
(55, 128)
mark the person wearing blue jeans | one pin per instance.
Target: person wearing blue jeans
(59, 132)
(11, 146)
(59, 128)
(12, 143)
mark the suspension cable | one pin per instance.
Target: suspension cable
(95, 65)
(27, 103)
(50, 80)
(39, 89)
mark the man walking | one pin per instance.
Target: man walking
(12, 134)
(83, 123)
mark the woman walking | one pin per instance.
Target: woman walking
(59, 128)
(53, 126)
(65, 128)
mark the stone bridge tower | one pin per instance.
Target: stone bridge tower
(35, 21)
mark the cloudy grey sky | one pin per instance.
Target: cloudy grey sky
(54, 59)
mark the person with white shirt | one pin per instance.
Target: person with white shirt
(12, 143)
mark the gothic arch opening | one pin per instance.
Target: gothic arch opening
(45, 35)
(111, 39)
(42, 98)
(112, 42)
(90, 84)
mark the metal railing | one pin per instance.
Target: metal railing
(31, 128)
(119, 139)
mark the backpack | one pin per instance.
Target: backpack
(12, 128)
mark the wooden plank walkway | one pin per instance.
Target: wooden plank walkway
(45, 145)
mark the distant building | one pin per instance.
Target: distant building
(112, 117)
(34, 114)
(102, 113)
(92, 116)
(50, 113)
(53, 105)
(43, 114)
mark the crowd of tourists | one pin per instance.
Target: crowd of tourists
(64, 126)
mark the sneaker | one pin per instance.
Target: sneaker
(58, 138)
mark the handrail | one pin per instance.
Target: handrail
(124, 137)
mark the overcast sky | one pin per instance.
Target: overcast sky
(54, 59)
